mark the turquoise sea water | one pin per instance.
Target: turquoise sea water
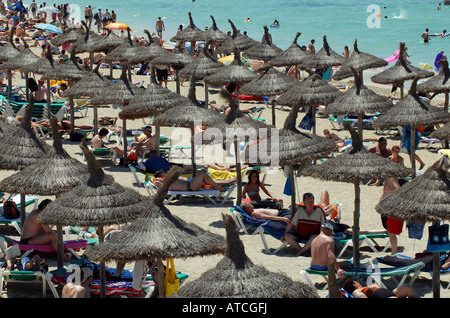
(342, 21)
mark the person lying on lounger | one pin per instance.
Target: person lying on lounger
(192, 184)
(352, 286)
(266, 214)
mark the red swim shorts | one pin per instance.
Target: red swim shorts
(394, 226)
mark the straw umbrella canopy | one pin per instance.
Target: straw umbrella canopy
(6, 127)
(425, 199)
(400, 72)
(69, 35)
(265, 50)
(91, 85)
(189, 115)
(293, 55)
(9, 51)
(107, 44)
(69, 71)
(235, 129)
(214, 34)
(442, 133)
(236, 276)
(412, 111)
(242, 42)
(203, 65)
(154, 101)
(324, 58)
(25, 58)
(310, 92)
(149, 52)
(359, 61)
(236, 73)
(359, 100)
(356, 165)
(156, 235)
(21, 148)
(55, 173)
(98, 201)
(189, 34)
(439, 83)
(87, 43)
(270, 83)
(175, 58)
(120, 92)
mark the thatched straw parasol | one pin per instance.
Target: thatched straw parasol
(177, 59)
(293, 55)
(236, 73)
(189, 115)
(265, 50)
(8, 51)
(310, 92)
(295, 147)
(400, 72)
(438, 84)
(154, 101)
(442, 133)
(120, 92)
(149, 52)
(21, 148)
(359, 61)
(236, 276)
(425, 199)
(91, 85)
(359, 100)
(189, 34)
(270, 83)
(99, 201)
(356, 165)
(214, 34)
(6, 127)
(69, 35)
(87, 43)
(324, 58)
(235, 129)
(69, 71)
(242, 42)
(201, 67)
(412, 111)
(156, 235)
(55, 173)
(125, 53)
(25, 58)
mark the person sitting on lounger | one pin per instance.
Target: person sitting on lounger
(97, 141)
(36, 233)
(352, 286)
(146, 142)
(192, 184)
(79, 290)
(252, 188)
(266, 214)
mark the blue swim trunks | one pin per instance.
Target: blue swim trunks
(319, 268)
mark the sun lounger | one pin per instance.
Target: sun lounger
(105, 153)
(245, 222)
(431, 141)
(369, 239)
(27, 277)
(371, 270)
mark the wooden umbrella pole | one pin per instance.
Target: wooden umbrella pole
(238, 174)
(49, 102)
(413, 150)
(292, 184)
(178, 80)
(95, 120)
(60, 252)
(9, 72)
(194, 165)
(157, 137)
(356, 215)
(436, 283)
(446, 110)
(125, 150)
(273, 112)
(101, 239)
(360, 124)
(162, 292)
(23, 214)
(206, 95)
(27, 86)
(237, 94)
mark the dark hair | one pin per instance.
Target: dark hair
(381, 139)
(307, 195)
(158, 173)
(103, 132)
(43, 204)
(348, 285)
(250, 176)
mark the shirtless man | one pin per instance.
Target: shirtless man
(425, 36)
(311, 47)
(322, 251)
(146, 143)
(36, 233)
(264, 214)
(33, 7)
(192, 184)
(88, 15)
(74, 290)
(159, 27)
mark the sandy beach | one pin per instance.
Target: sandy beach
(208, 216)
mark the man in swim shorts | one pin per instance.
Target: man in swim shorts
(425, 36)
(159, 27)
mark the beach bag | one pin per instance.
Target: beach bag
(10, 210)
(171, 282)
(438, 238)
(308, 121)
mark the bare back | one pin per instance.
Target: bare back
(75, 291)
(320, 248)
(31, 227)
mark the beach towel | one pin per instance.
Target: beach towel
(287, 187)
(439, 57)
(415, 230)
(308, 121)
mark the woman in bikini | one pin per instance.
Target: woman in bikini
(253, 186)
